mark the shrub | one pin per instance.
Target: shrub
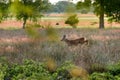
(72, 20)
(32, 70)
(68, 71)
(113, 73)
(3, 68)
(97, 68)
(114, 69)
(117, 77)
(27, 71)
(62, 72)
(102, 76)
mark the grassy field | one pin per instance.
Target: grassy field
(103, 48)
(85, 21)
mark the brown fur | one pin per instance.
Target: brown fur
(75, 41)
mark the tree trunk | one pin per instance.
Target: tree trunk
(101, 18)
(24, 22)
(101, 21)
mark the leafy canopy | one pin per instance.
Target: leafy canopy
(28, 9)
(113, 10)
(109, 7)
(3, 9)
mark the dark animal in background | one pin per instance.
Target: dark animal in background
(57, 23)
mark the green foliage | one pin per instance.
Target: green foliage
(112, 10)
(114, 69)
(84, 7)
(62, 6)
(51, 34)
(32, 31)
(29, 70)
(3, 9)
(28, 9)
(98, 68)
(85, 4)
(20, 10)
(3, 68)
(117, 77)
(62, 72)
(102, 76)
(113, 73)
(72, 20)
(84, 11)
(99, 7)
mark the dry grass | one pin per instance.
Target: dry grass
(85, 21)
(103, 48)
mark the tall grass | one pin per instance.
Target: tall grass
(103, 48)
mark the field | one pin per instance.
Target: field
(103, 49)
(103, 46)
(85, 21)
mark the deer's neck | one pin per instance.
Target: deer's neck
(66, 40)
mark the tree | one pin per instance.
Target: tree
(108, 7)
(84, 7)
(99, 9)
(113, 10)
(61, 6)
(3, 9)
(28, 9)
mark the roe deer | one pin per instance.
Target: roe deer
(74, 42)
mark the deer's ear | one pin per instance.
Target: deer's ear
(64, 35)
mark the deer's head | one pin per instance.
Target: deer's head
(64, 37)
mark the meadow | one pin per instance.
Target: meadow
(103, 49)
(85, 21)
